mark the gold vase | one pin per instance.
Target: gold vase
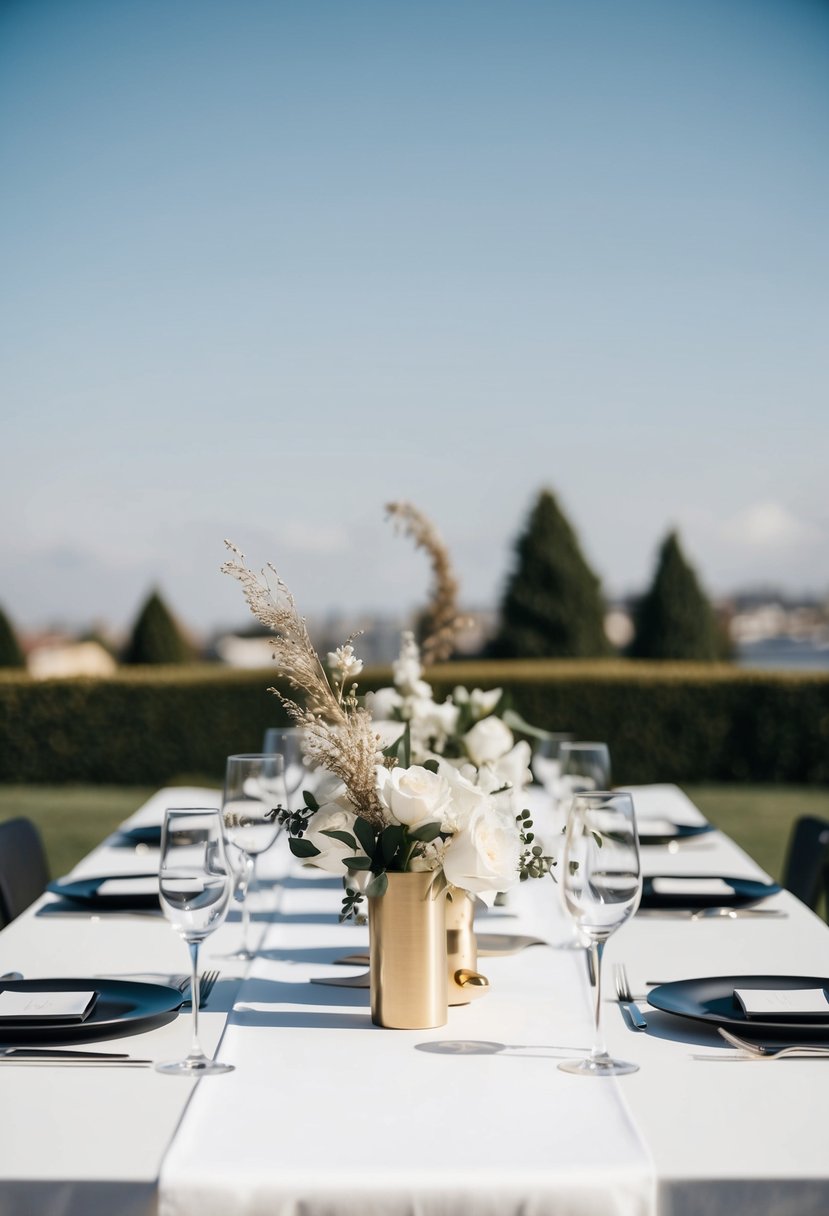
(407, 948)
(465, 981)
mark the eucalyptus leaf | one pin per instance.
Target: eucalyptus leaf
(310, 801)
(344, 837)
(390, 841)
(302, 848)
(366, 834)
(432, 765)
(357, 863)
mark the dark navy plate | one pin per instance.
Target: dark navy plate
(149, 834)
(743, 891)
(123, 1007)
(84, 891)
(712, 1000)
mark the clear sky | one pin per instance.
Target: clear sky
(267, 264)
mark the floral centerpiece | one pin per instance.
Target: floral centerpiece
(375, 812)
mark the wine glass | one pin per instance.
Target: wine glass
(602, 883)
(194, 892)
(584, 767)
(546, 764)
(254, 788)
(286, 741)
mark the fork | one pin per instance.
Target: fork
(625, 997)
(206, 984)
(758, 1052)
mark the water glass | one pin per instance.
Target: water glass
(584, 767)
(602, 881)
(194, 887)
(286, 741)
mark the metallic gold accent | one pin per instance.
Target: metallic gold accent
(462, 951)
(407, 948)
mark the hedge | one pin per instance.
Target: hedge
(663, 722)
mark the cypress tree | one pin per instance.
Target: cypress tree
(673, 619)
(552, 606)
(156, 638)
(10, 653)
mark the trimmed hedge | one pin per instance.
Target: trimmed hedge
(663, 721)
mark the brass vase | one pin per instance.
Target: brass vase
(465, 981)
(407, 948)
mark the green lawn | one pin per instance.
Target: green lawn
(74, 818)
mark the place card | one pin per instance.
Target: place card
(783, 1002)
(142, 884)
(717, 888)
(45, 1006)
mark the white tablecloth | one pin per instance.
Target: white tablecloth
(326, 1114)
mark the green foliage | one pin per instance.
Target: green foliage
(674, 620)
(10, 653)
(552, 607)
(156, 638)
(662, 721)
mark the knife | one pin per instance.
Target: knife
(11, 1054)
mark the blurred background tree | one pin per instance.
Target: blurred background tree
(156, 637)
(10, 653)
(552, 606)
(673, 619)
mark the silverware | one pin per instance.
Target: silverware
(625, 998)
(207, 982)
(713, 913)
(61, 1055)
(758, 1051)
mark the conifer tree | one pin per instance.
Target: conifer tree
(10, 653)
(156, 638)
(674, 619)
(552, 606)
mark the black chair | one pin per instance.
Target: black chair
(806, 873)
(24, 871)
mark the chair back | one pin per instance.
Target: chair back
(806, 873)
(24, 871)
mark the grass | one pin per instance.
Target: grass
(72, 819)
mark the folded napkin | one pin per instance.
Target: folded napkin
(783, 1002)
(46, 1006)
(716, 887)
(142, 884)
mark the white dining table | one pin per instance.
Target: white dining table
(327, 1115)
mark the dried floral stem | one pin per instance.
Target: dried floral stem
(442, 611)
(339, 733)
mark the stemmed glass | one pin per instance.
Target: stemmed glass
(194, 890)
(546, 764)
(602, 882)
(286, 741)
(254, 788)
(584, 767)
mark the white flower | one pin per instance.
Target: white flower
(513, 769)
(488, 740)
(467, 796)
(408, 670)
(431, 723)
(480, 703)
(414, 795)
(344, 663)
(384, 704)
(331, 816)
(484, 856)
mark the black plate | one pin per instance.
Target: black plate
(123, 1007)
(679, 831)
(712, 1000)
(149, 835)
(85, 891)
(743, 891)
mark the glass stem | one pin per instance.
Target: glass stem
(195, 1046)
(594, 966)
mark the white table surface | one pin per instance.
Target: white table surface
(326, 1115)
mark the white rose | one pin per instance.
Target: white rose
(330, 817)
(513, 769)
(414, 795)
(488, 740)
(485, 855)
(467, 796)
(408, 670)
(384, 703)
(431, 723)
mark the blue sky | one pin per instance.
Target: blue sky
(267, 265)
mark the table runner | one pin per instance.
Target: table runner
(327, 1115)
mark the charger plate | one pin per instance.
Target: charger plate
(123, 1007)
